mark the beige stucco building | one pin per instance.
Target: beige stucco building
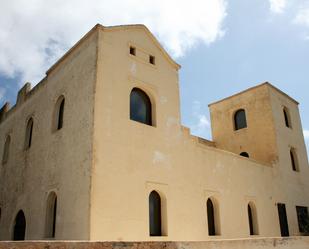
(96, 151)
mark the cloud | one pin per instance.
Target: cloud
(306, 134)
(201, 124)
(302, 17)
(277, 6)
(35, 33)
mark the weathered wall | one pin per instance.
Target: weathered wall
(292, 187)
(57, 161)
(278, 243)
(260, 131)
(103, 166)
(132, 159)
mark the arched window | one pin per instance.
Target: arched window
(51, 215)
(19, 226)
(28, 136)
(240, 120)
(58, 113)
(212, 218)
(155, 214)
(244, 154)
(140, 107)
(294, 160)
(6, 149)
(252, 218)
(287, 119)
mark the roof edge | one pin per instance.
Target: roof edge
(77, 44)
(153, 38)
(252, 88)
(106, 28)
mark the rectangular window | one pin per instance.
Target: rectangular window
(152, 59)
(303, 219)
(132, 50)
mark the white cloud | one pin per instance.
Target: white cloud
(277, 6)
(306, 134)
(201, 124)
(302, 17)
(34, 33)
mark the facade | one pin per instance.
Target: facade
(96, 151)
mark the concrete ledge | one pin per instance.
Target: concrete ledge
(259, 243)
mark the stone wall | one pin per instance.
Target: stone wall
(262, 243)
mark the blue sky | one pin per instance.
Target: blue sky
(223, 46)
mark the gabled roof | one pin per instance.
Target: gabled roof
(115, 28)
(151, 36)
(255, 87)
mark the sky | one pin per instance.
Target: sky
(223, 46)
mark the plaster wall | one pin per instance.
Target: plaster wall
(291, 186)
(58, 161)
(260, 131)
(132, 159)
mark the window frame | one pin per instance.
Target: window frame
(294, 160)
(287, 117)
(149, 103)
(238, 127)
(301, 229)
(29, 134)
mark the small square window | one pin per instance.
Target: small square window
(133, 50)
(151, 59)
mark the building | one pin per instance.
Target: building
(96, 151)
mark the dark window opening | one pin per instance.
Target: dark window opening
(244, 154)
(240, 120)
(250, 217)
(293, 160)
(60, 115)
(211, 218)
(303, 219)
(6, 150)
(152, 59)
(155, 214)
(51, 215)
(133, 51)
(29, 131)
(286, 117)
(250, 220)
(140, 107)
(283, 220)
(19, 226)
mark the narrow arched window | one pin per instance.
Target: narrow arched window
(244, 154)
(252, 218)
(155, 214)
(6, 150)
(28, 135)
(140, 107)
(58, 114)
(51, 215)
(287, 118)
(19, 226)
(294, 160)
(240, 120)
(211, 218)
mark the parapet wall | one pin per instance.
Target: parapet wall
(261, 243)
